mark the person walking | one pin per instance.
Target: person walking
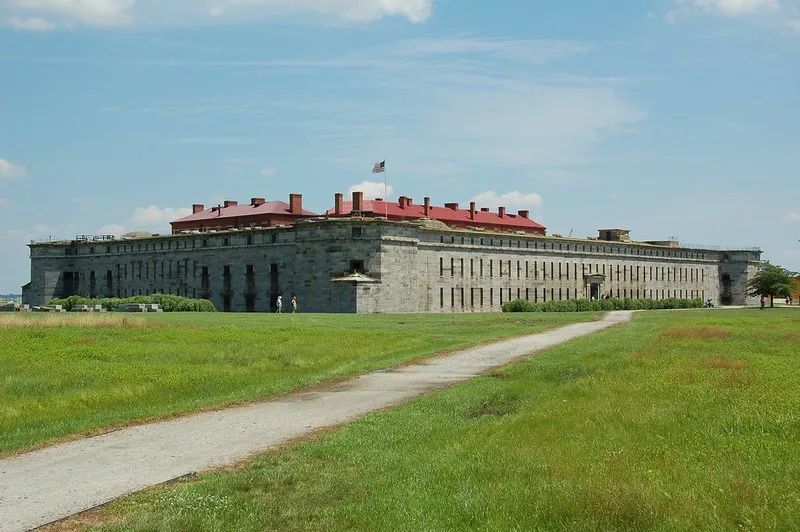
(294, 304)
(762, 302)
(279, 304)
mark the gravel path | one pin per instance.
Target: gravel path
(46, 485)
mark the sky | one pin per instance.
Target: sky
(672, 118)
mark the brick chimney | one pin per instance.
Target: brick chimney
(338, 199)
(255, 202)
(471, 210)
(198, 207)
(296, 203)
(501, 212)
(427, 206)
(231, 203)
(409, 202)
(402, 202)
(452, 206)
(524, 214)
(358, 201)
(484, 209)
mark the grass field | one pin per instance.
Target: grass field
(679, 421)
(71, 374)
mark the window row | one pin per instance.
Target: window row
(461, 267)
(574, 247)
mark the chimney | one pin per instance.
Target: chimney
(198, 207)
(255, 202)
(337, 203)
(409, 202)
(427, 207)
(231, 203)
(358, 201)
(471, 210)
(501, 212)
(524, 214)
(453, 206)
(402, 202)
(296, 203)
(484, 209)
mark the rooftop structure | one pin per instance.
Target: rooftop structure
(231, 215)
(451, 215)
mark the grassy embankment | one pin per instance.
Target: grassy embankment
(678, 421)
(71, 374)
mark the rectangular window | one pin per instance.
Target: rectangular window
(472, 268)
(481, 269)
(441, 298)
(491, 297)
(441, 266)
(452, 297)
(527, 271)
(491, 268)
(481, 292)
(452, 267)
(462, 267)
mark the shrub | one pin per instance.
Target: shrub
(585, 305)
(168, 303)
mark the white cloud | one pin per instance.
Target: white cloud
(372, 190)
(354, 10)
(793, 216)
(112, 229)
(109, 13)
(9, 170)
(152, 216)
(511, 200)
(31, 24)
(269, 171)
(89, 12)
(727, 8)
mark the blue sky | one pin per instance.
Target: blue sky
(674, 118)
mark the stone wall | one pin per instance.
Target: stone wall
(405, 268)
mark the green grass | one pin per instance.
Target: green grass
(64, 375)
(678, 421)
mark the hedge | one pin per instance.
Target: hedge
(167, 302)
(585, 305)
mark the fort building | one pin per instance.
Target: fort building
(376, 256)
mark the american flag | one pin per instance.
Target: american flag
(379, 168)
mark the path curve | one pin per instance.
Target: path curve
(53, 483)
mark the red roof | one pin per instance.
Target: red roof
(443, 214)
(243, 211)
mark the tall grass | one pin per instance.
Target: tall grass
(87, 320)
(678, 421)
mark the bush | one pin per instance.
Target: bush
(586, 305)
(168, 303)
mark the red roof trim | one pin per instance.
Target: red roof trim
(444, 214)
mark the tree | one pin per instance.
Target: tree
(772, 281)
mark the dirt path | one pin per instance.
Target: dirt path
(46, 485)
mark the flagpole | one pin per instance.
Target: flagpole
(385, 193)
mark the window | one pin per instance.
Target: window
(357, 266)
